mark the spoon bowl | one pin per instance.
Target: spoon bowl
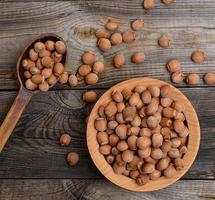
(24, 94)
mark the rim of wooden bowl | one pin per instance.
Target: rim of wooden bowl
(128, 183)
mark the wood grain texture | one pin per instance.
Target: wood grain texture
(77, 189)
(127, 182)
(33, 150)
(190, 26)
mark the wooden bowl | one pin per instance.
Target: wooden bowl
(128, 183)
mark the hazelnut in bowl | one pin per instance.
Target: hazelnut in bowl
(143, 134)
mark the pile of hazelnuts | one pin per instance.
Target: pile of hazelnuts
(111, 36)
(143, 133)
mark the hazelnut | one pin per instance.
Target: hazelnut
(134, 99)
(152, 122)
(34, 70)
(56, 57)
(111, 26)
(39, 64)
(60, 47)
(27, 64)
(119, 60)
(39, 46)
(65, 139)
(165, 122)
(163, 164)
(105, 149)
(151, 109)
(43, 53)
(179, 116)
(129, 113)
(175, 142)
(44, 86)
(110, 159)
(132, 142)
(120, 106)
(112, 124)
(164, 42)
(127, 155)
(155, 175)
(116, 39)
(110, 109)
(90, 96)
(169, 171)
(121, 131)
(137, 25)
(117, 96)
(119, 160)
(84, 70)
(173, 66)
(136, 121)
(128, 36)
(166, 146)
(91, 79)
(154, 91)
(156, 153)
(142, 179)
(183, 150)
(63, 79)
(102, 138)
(118, 169)
(58, 69)
(88, 58)
(50, 45)
(134, 174)
(133, 131)
(113, 139)
(144, 122)
(169, 112)
(166, 91)
(126, 93)
(157, 140)
(144, 153)
(177, 77)
(122, 145)
(192, 79)
(30, 85)
(98, 67)
(143, 142)
(73, 81)
(179, 126)
(145, 132)
(139, 89)
(114, 151)
(179, 163)
(148, 4)
(27, 74)
(100, 124)
(46, 72)
(146, 97)
(104, 44)
(209, 78)
(52, 80)
(102, 33)
(72, 158)
(148, 168)
(166, 102)
(33, 55)
(47, 62)
(173, 153)
(37, 79)
(138, 58)
(198, 56)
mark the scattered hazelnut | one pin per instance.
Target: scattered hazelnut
(90, 96)
(72, 158)
(63, 79)
(198, 56)
(128, 36)
(73, 81)
(137, 25)
(138, 58)
(91, 79)
(111, 26)
(102, 33)
(119, 60)
(104, 44)
(116, 39)
(98, 67)
(167, 1)
(192, 79)
(58, 69)
(148, 4)
(164, 42)
(177, 77)
(65, 139)
(88, 58)
(84, 70)
(209, 78)
(173, 66)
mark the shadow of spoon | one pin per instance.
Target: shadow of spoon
(24, 95)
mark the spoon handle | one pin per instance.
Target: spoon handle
(13, 115)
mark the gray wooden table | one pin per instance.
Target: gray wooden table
(32, 165)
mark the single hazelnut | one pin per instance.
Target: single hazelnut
(179, 163)
(56, 57)
(209, 78)
(72, 158)
(44, 86)
(27, 64)
(39, 64)
(102, 138)
(173, 66)
(132, 142)
(58, 69)
(100, 124)
(128, 36)
(122, 145)
(98, 67)
(139, 89)
(136, 121)
(145, 132)
(102, 33)
(151, 109)
(37, 79)
(166, 102)
(46, 72)
(60, 47)
(142, 179)
(163, 164)
(119, 160)
(47, 62)
(73, 81)
(63, 79)
(129, 113)
(110, 159)
(113, 139)
(137, 25)
(33, 55)
(148, 168)
(164, 42)
(84, 70)
(120, 106)
(156, 174)
(105, 149)
(121, 131)
(90, 96)
(65, 139)
(118, 169)
(177, 77)
(166, 146)
(192, 79)
(169, 112)
(110, 109)
(30, 85)
(175, 142)
(138, 58)
(104, 44)
(119, 60)
(117, 96)
(111, 26)
(173, 153)
(157, 140)
(144, 153)
(88, 58)
(44, 52)
(166, 91)
(34, 70)
(91, 79)
(116, 39)
(134, 99)
(169, 171)
(143, 142)
(126, 93)
(39, 46)
(152, 122)
(156, 153)
(146, 97)
(198, 56)
(127, 156)
(114, 151)
(50, 45)
(27, 74)
(134, 174)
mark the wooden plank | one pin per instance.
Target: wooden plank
(33, 150)
(99, 189)
(190, 25)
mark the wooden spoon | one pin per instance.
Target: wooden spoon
(24, 95)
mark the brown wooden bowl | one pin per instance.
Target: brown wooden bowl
(128, 183)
